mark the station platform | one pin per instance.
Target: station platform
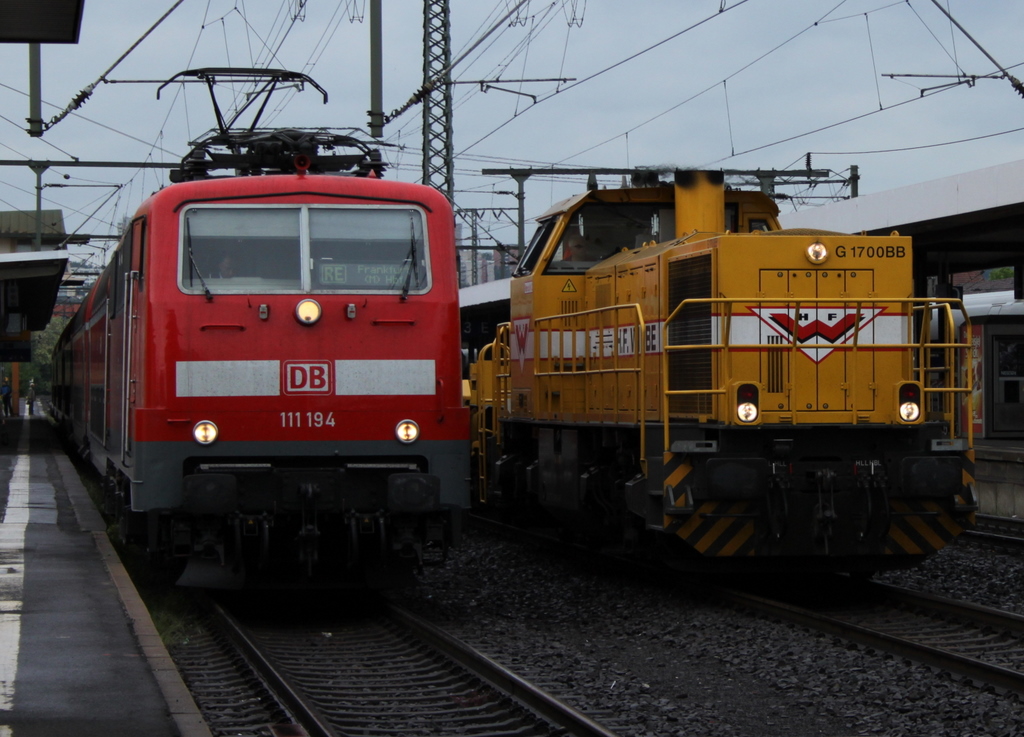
(999, 473)
(79, 655)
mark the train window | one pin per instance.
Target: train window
(241, 249)
(139, 240)
(599, 230)
(732, 217)
(303, 249)
(123, 261)
(100, 292)
(367, 249)
(535, 248)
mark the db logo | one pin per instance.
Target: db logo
(307, 377)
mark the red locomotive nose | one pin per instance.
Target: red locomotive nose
(302, 163)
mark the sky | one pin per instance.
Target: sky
(891, 86)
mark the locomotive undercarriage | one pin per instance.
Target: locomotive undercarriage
(363, 523)
(820, 497)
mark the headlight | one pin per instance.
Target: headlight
(308, 311)
(909, 402)
(747, 403)
(817, 253)
(407, 431)
(205, 432)
(909, 412)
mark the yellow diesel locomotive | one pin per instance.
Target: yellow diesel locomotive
(680, 375)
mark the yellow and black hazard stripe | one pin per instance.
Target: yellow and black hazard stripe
(967, 458)
(720, 529)
(919, 527)
(675, 468)
(967, 502)
(713, 528)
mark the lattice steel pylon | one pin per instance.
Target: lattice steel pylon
(438, 164)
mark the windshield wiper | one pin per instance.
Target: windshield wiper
(410, 260)
(194, 268)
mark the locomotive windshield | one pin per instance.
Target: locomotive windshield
(599, 230)
(231, 249)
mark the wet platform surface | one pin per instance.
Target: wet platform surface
(78, 655)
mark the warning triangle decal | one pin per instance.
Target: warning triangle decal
(569, 287)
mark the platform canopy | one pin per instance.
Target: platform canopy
(40, 21)
(30, 274)
(966, 222)
(29, 282)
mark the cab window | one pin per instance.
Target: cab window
(536, 246)
(599, 230)
(246, 249)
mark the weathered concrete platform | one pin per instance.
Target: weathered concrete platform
(79, 656)
(999, 472)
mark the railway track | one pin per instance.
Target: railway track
(385, 672)
(980, 643)
(1002, 532)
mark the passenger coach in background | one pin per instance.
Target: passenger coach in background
(268, 372)
(680, 375)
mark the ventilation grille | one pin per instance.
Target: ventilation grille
(690, 370)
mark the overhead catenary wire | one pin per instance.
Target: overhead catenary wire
(917, 148)
(710, 87)
(86, 93)
(874, 66)
(425, 90)
(822, 128)
(605, 70)
(735, 101)
(538, 24)
(1013, 80)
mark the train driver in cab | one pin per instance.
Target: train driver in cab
(577, 248)
(573, 247)
(225, 268)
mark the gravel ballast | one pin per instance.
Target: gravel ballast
(650, 659)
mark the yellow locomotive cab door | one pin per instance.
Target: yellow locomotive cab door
(817, 367)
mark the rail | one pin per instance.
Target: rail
(978, 642)
(937, 374)
(379, 669)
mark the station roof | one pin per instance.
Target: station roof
(21, 225)
(484, 294)
(30, 277)
(40, 21)
(965, 222)
(31, 281)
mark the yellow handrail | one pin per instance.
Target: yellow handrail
(558, 361)
(921, 351)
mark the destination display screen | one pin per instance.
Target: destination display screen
(360, 275)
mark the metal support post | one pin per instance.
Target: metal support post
(376, 111)
(35, 95)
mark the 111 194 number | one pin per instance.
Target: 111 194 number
(307, 419)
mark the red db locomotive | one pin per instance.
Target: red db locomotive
(268, 372)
